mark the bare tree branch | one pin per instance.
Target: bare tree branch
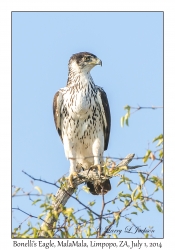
(35, 179)
(101, 215)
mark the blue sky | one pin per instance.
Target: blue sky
(130, 45)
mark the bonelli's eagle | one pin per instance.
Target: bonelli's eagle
(82, 118)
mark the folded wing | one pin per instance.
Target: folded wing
(104, 106)
(57, 104)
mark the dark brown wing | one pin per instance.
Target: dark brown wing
(104, 105)
(57, 104)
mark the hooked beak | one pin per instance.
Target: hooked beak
(98, 62)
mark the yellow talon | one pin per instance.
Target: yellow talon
(96, 166)
(70, 178)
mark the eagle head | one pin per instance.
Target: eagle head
(83, 62)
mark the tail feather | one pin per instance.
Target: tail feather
(98, 188)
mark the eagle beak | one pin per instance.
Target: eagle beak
(98, 62)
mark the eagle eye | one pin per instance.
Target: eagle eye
(87, 58)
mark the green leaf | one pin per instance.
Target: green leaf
(91, 203)
(158, 137)
(139, 188)
(134, 213)
(144, 206)
(88, 231)
(146, 156)
(159, 208)
(122, 121)
(157, 181)
(133, 193)
(54, 224)
(126, 202)
(53, 198)
(44, 205)
(117, 217)
(115, 236)
(126, 178)
(91, 216)
(108, 221)
(138, 196)
(128, 219)
(117, 170)
(142, 178)
(94, 233)
(125, 195)
(126, 118)
(16, 191)
(55, 214)
(50, 233)
(127, 121)
(120, 194)
(29, 224)
(15, 229)
(83, 220)
(74, 219)
(138, 208)
(129, 186)
(49, 215)
(34, 202)
(123, 168)
(120, 182)
(26, 231)
(68, 211)
(62, 234)
(41, 215)
(159, 143)
(34, 232)
(161, 153)
(127, 107)
(156, 189)
(86, 189)
(38, 189)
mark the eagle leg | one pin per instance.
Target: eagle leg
(70, 178)
(96, 167)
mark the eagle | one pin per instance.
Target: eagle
(82, 118)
